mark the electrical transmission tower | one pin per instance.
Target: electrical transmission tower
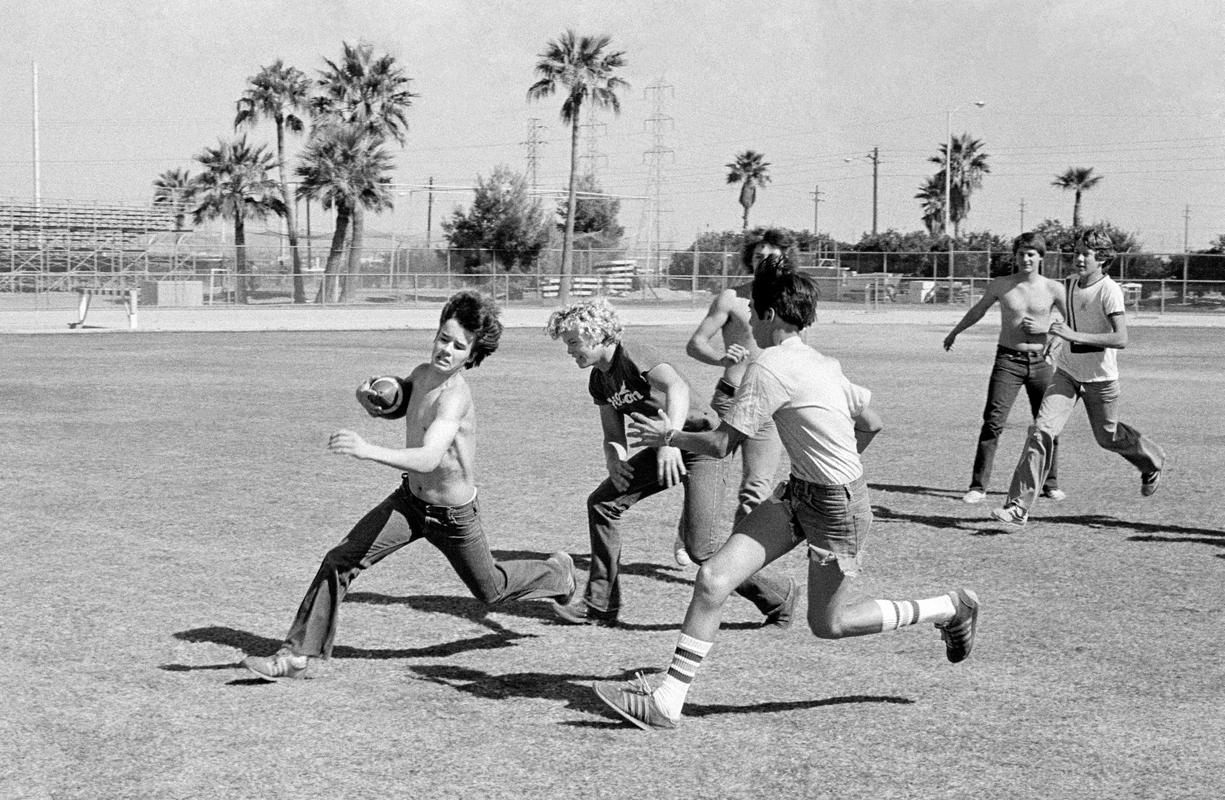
(533, 143)
(592, 130)
(649, 236)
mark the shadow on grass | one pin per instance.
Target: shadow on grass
(576, 693)
(639, 569)
(1151, 532)
(928, 491)
(974, 527)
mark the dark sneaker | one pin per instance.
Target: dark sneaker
(1011, 515)
(634, 702)
(1058, 495)
(1149, 482)
(283, 665)
(566, 563)
(781, 616)
(958, 632)
(579, 613)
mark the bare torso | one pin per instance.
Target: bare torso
(736, 330)
(453, 482)
(1020, 296)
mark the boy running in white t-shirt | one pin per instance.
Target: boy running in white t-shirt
(824, 423)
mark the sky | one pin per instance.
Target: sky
(1133, 89)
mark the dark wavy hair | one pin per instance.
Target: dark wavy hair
(793, 295)
(1032, 240)
(779, 237)
(1100, 243)
(477, 314)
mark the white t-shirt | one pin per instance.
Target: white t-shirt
(812, 403)
(1089, 311)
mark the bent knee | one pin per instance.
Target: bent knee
(712, 584)
(824, 626)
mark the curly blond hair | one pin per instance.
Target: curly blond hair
(595, 320)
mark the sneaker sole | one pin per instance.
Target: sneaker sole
(270, 678)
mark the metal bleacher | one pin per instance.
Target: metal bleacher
(59, 244)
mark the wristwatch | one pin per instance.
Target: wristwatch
(668, 435)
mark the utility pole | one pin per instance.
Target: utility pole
(1022, 215)
(38, 181)
(875, 157)
(429, 213)
(1186, 227)
(817, 194)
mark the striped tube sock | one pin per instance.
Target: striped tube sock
(670, 695)
(900, 613)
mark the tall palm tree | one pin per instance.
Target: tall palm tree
(969, 165)
(1079, 180)
(235, 185)
(344, 169)
(584, 68)
(368, 94)
(751, 170)
(279, 93)
(932, 195)
(176, 190)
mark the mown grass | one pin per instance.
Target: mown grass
(167, 498)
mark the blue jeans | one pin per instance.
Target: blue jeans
(399, 520)
(1012, 370)
(759, 453)
(1101, 404)
(704, 488)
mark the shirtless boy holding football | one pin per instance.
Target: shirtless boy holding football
(436, 501)
(1019, 356)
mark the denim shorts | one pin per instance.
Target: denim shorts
(834, 520)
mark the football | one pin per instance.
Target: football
(385, 396)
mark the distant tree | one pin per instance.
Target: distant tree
(1078, 180)
(504, 221)
(235, 185)
(344, 169)
(931, 192)
(369, 95)
(279, 93)
(585, 69)
(751, 170)
(968, 163)
(176, 190)
(595, 215)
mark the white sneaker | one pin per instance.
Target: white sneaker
(1058, 495)
(974, 496)
(680, 553)
(1011, 515)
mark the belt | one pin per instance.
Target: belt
(1033, 355)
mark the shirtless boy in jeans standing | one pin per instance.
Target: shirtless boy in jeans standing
(1019, 358)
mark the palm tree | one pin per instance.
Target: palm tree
(344, 169)
(584, 68)
(750, 170)
(369, 95)
(969, 165)
(235, 185)
(1079, 180)
(279, 93)
(175, 189)
(932, 195)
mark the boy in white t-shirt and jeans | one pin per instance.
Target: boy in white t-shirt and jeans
(1085, 368)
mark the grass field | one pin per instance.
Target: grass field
(167, 498)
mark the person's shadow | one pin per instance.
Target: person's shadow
(575, 692)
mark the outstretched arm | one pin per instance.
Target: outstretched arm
(647, 432)
(973, 315)
(665, 378)
(424, 459)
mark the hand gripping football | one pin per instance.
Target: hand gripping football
(385, 396)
